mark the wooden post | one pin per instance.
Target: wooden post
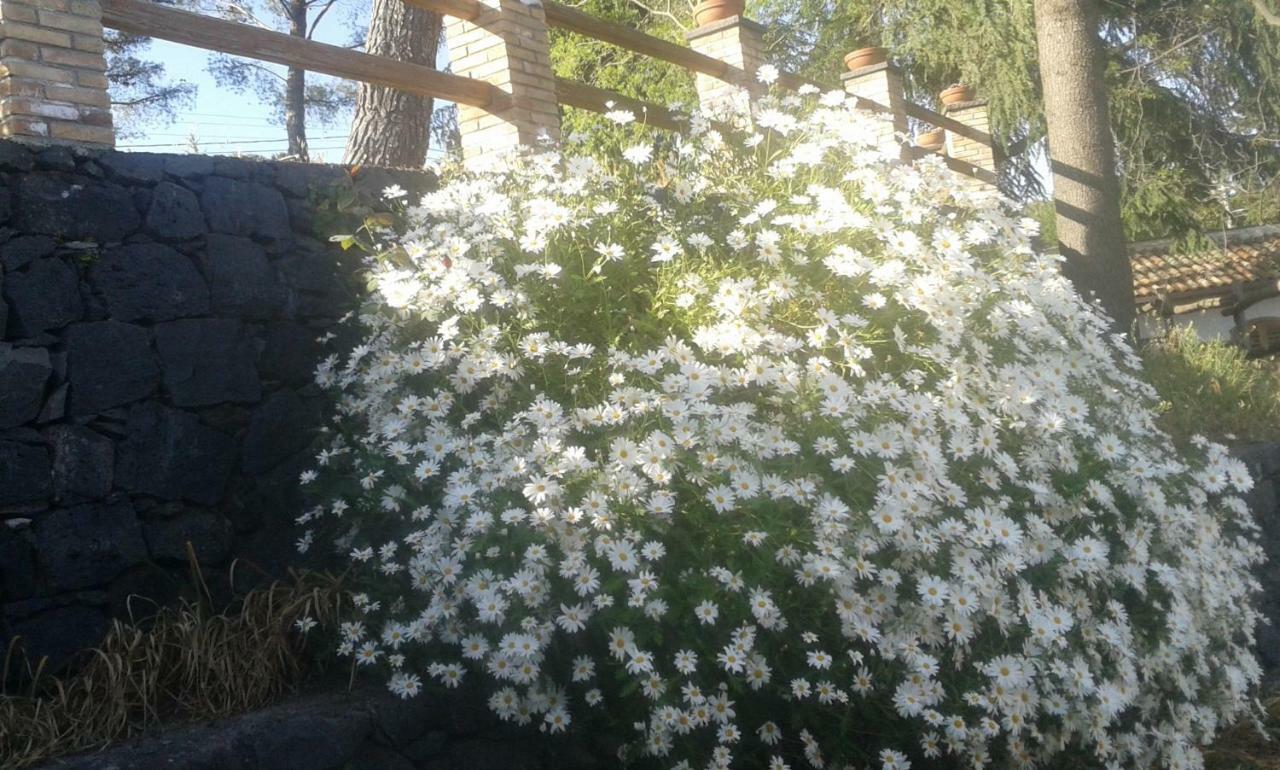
(881, 82)
(738, 42)
(53, 83)
(505, 45)
(973, 113)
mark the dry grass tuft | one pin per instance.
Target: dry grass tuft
(1248, 745)
(186, 662)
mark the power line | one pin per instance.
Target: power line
(222, 142)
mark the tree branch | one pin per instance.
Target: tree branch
(1269, 16)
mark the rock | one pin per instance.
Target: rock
(188, 166)
(23, 375)
(311, 285)
(207, 361)
(83, 463)
(144, 167)
(427, 747)
(88, 545)
(57, 632)
(56, 158)
(174, 213)
(281, 427)
(21, 251)
(169, 454)
(6, 204)
(14, 156)
(245, 208)
(370, 756)
(55, 406)
(299, 179)
(241, 281)
(46, 295)
(290, 353)
(233, 168)
(74, 208)
(17, 563)
(24, 473)
(208, 532)
(483, 754)
(108, 364)
(149, 282)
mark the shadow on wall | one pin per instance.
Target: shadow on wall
(160, 318)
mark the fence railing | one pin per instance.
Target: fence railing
(54, 84)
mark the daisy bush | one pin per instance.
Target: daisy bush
(769, 451)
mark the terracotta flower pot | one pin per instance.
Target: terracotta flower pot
(709, 11)
(932, 140)
(956, 94)
(865, 57)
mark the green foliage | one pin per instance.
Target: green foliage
(1213, 389)
(607, 66)
(1194, 103)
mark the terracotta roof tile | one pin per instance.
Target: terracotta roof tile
(1246, 256)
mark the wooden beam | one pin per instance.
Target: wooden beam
(146, 18)
(573, 20)
(585, 97)
(460, 9)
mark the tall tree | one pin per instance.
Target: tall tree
(391, 127)
(292, 94)
(1194, 90)
(1086, 193)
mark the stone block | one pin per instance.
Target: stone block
(88, 545)
(188, 166)
(148, 282)
(241, 281)
(245, 208)
(24, 372)
(169, 454)
(55, 631)
(43, 296)
(21, 251)
(74, 208)
(25, 473)
(134, 167)
(17, 563)
(290, 353)
(208, 531)
(207, 361)
(282, 426)
(174, 213)
(14, 156)
(108, 364)
(83, 463)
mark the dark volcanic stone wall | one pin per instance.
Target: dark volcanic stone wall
(159, 323)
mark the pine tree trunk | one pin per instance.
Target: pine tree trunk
(295, 89)
(390, 127)
(1086, 192)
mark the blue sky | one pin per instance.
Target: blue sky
(224, 122)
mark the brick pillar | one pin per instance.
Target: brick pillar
(882, 84)
(505, 45)
(973, 114)
(738, 42)
(53, 85)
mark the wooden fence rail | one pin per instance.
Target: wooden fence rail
(143, 17)
(503, 75)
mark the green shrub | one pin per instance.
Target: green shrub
(1213, 389)
(769, 451)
